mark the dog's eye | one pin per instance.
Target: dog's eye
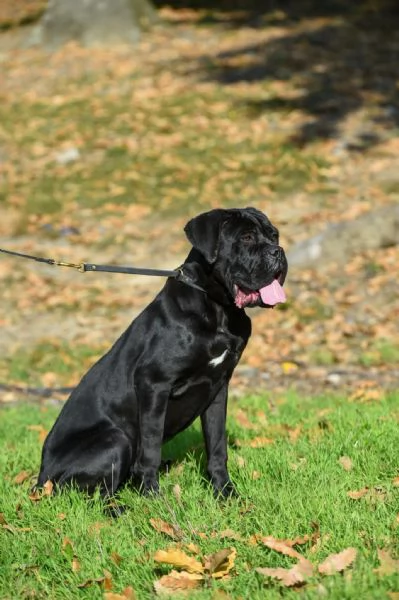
(248, 237)
(274, 237)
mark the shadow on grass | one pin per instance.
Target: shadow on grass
(330, 59)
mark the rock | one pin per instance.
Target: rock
(376, 229)
(66, 156)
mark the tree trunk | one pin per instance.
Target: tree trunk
(94, 22)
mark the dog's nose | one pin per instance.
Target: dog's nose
(274, 250)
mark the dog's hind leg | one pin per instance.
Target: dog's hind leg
(101, 460)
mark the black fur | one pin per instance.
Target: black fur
(158, 377)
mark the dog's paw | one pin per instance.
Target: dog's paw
(225, 491)
(149, 487)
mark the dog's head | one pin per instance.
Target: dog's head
(243, 248)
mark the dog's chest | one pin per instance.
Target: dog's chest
(225, 350)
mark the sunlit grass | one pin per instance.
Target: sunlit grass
(284, 487)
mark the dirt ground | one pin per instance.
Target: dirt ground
(339, 330)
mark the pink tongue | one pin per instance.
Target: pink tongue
(272, 294)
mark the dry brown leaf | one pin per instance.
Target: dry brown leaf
(75, 564)
(35, 495)
(127, 594)
(395, 481)
(346, 463)
(335, 563)
(240, 461)
(67, 543)
(220, 563)
(296, 575)
(294, 433)
(242, 419)
(48, 488)
(116, 558)
(256, 442)
(179, 559)
(89, 582)
(192, 548)
(176, 581)
(21, 477)
(388, 565)
(177, 492)
(42, 433)
(280, 546)
(357, 494)
(393, 595)
(107, 580)
(230, 534)
(163, 527)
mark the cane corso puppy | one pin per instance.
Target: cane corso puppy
(173, 363)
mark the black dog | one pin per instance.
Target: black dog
(173, 363)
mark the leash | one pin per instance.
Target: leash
(84, 267)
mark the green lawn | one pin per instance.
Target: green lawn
(285, 487)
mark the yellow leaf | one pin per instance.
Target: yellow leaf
(127, 594)
(289, 367)
(168, 585)
(220, 563)
(179, 559)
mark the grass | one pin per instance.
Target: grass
(284, 486)
(62, 360)
(174, 155)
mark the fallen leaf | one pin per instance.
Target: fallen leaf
(127, 594)
(21, 477)
(48, 488)
(230, 534)
(335, 563)
(220, 563)
(67, 544)
(345, 462)
(388, 565)
(35, 495)
(178, 558)
(192, 548)
(75, 564)
(289, 367)
(176, 581)
(116, 558)
(243, 421)
(356, 494)
(256, 442)
(395, 481)
(177, 492)
(296, 575)
(107, 580)
(280, 546)
(89, 582)
(163, 527)
(42, 433)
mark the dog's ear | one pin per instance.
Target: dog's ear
(204, 231)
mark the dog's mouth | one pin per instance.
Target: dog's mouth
(268, 295)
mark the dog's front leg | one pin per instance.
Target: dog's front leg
(152, 405)
(213, 422)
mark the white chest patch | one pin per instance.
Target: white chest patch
(218, 359)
